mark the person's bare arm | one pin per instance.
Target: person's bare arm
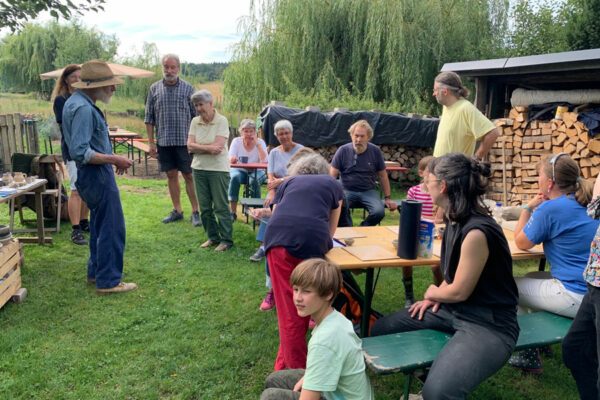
(120, 162)
(486, 143)
(334, 217)
(334, 172)
(385, 186)
(151, 145)
(215, 147)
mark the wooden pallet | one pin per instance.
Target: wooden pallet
(10, 273)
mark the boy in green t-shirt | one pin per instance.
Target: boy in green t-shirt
(335, 367)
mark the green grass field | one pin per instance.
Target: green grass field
(193, 330)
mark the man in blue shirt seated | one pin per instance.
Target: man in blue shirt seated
(359, 163)
(86, 136)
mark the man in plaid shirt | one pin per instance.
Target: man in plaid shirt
(170, 110)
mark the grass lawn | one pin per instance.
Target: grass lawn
(192, 330)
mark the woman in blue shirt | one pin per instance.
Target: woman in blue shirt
(557, 218)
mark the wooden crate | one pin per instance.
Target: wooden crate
(10, 271)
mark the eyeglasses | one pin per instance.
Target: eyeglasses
(355, 159)
(553, 162)
(428, 181)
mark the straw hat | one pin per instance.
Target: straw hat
(96, 73)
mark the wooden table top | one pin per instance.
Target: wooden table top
(23, 189)
(250, 165)
(382, 236)
(123, 134)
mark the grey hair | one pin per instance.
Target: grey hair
(309, 164)
(201, 96)
(170, 56)
(283, 124)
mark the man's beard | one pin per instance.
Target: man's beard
(170, 77)
(103, 96)
(358, 147)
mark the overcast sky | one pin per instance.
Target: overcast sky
(198, 31)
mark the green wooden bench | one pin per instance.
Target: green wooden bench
(408, 352)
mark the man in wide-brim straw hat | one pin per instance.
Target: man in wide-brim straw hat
(86, 136)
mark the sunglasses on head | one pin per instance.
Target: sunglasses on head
(553, 162)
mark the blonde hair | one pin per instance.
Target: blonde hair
(61, 87)
(363, 123)
(424, 163)
(321, 275)
(567, 177)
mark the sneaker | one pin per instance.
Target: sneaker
(78, 238)
(269, 301)
(195, 218)
(208, 243)
(233, 217)
(258, 255)
(85, 225)
(528, 360)
(172, 217)
(120, 288)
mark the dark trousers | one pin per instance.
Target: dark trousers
(97, 186)
(581, 346)
(474, 353)
(280, 385)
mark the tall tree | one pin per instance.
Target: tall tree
(41, 48)
(582, 29)
(379, 51)
(14, 12)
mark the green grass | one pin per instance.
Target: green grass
(192, 330)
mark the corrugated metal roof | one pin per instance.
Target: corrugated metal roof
(569, 60)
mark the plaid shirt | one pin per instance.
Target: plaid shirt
(170, 109)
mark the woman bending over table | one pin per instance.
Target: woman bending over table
(557, 218)
(477, 300)
(309, 201)
(247, 148)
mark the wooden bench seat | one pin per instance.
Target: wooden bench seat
(408, 352)
(248, 203)
(140, 146)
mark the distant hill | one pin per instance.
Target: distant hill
(209, 71)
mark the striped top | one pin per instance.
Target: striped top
(416, 193)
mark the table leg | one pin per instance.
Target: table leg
(366, 312)
(40, 217)
(542, 264)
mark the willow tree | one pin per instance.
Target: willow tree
(384, 51)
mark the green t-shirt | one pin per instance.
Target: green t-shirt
(335, 365)
(461, 125)
(205, 134)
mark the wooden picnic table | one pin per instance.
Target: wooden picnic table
(123, 137)
(252, 168)
(382, 237)
(37, 187)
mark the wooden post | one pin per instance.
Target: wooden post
(504, 194)
(5, 151)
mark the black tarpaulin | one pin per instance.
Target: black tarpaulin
(313, 128)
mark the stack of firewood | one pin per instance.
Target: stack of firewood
(521, 145)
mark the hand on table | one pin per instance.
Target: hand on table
(260, 213)
(233, 160)
(391, 204)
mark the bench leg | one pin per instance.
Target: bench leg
(407, 379)
(542, 264)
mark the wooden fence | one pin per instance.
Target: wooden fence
(17, 135)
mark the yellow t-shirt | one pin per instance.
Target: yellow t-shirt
(205, 134)
(461, 125)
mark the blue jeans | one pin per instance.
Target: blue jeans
(260, 236)
(239, 176)
(97, 187)
(476, 351)
(371, 201)
(581, 346)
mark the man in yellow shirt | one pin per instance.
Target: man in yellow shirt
(461, 123)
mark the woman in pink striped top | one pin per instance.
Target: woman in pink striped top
(419, 192)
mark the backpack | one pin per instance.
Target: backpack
(32, 164)
(349, 302)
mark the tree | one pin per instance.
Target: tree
(368, 53)
(14, 12)
(582, 29)
(42, 48)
